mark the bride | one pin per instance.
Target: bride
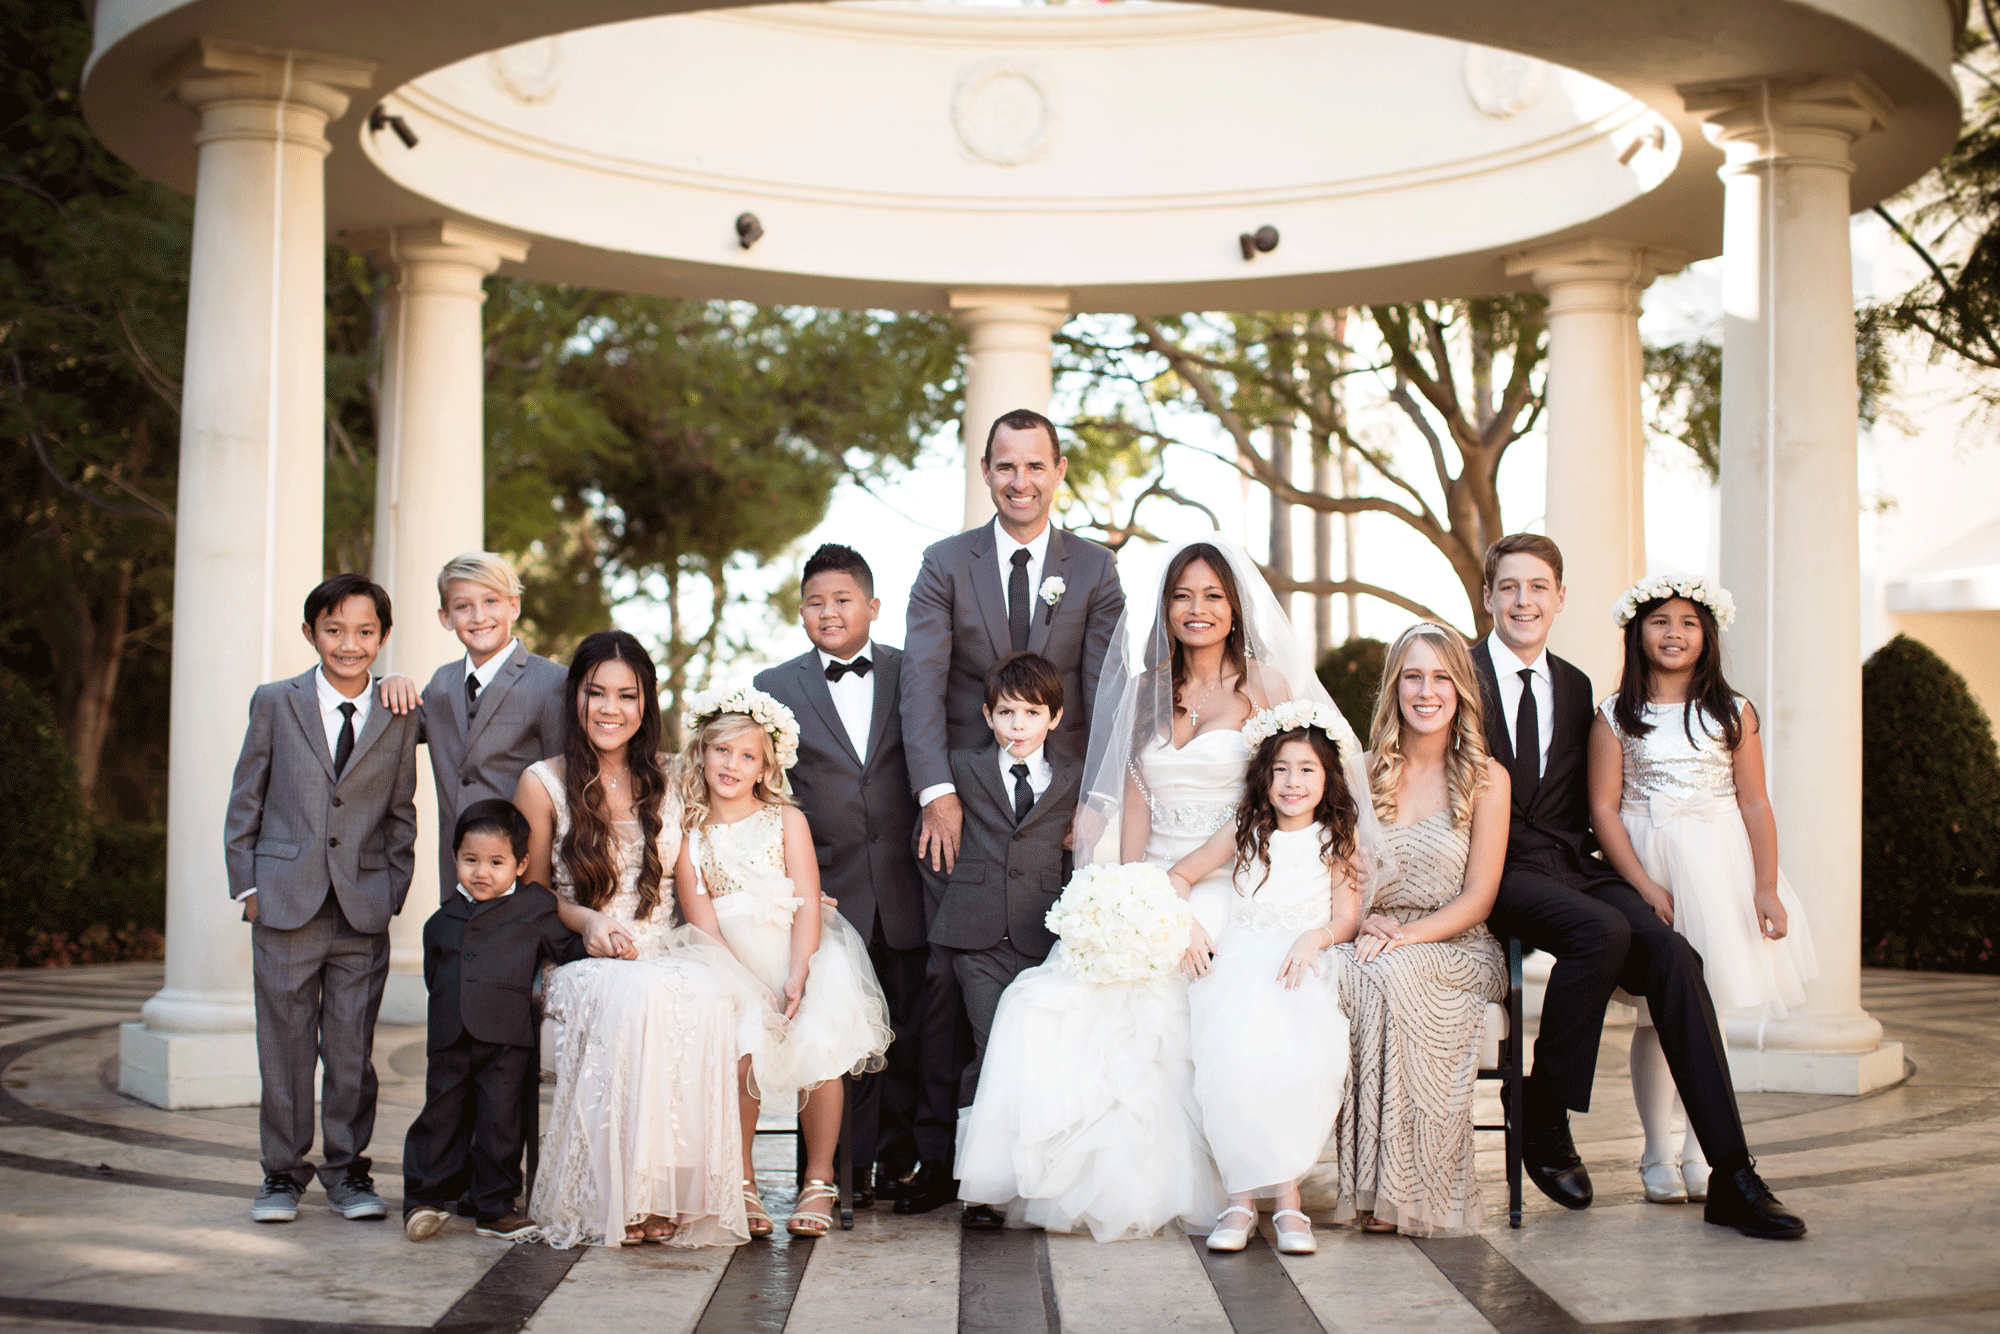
(1085, 1116)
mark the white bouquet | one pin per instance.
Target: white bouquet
(1121, 923)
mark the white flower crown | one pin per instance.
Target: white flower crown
(1290, 716)
(1690, 586)
(759, 707)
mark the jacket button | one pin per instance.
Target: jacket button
(1015, 874)
(465, 782)
(874, 838)
(336, 801)
(333, 843)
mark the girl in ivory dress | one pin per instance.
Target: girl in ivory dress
(1677, 800)
(748, 874)
(642, 1144)
(1268, 1039)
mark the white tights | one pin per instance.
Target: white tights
(1654, 1094)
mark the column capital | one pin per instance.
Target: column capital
(979, 308)
(216, 77)
(1798, 120)
(438, 241)
(1595, 259)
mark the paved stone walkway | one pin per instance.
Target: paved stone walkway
(116, 1215)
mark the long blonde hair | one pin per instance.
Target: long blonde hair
(770, 788)
(1465, 761)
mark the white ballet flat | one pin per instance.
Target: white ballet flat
(1295, 1243)
(1233, 1238)
(1663, 1183)
(1694, 1172)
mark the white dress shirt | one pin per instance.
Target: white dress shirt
(1507, 667)
(467, 894)
(330, 718)
(484, 675)
(1040, 773)
(854, 696)
(1004, 548)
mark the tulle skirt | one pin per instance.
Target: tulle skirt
(1704, 862)
(1269, 1063)
(1085, 1116)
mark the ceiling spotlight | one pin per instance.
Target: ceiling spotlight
(748, 230)
(1262, 241)
(380, 118)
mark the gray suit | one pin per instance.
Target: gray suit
(523, 716)
(862, 814)
(331, 860)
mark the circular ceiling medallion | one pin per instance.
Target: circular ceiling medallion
(529, 72)
(1502, 83)
(1004, 113)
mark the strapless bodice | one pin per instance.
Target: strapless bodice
(1193, 791)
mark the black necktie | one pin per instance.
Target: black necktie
(471, 695)
(1024, 795)
(1019, 613)
(344, 747)
(1527, 770)
(860, 667)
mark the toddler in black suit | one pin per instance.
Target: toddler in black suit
(480, 954)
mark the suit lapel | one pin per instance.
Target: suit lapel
(1499, 736)
(989, 773)
(1060, 776)
(1054, 563)
(489, 698)
(986, 589)
(1565, 746)
(305, 704)
(378, 723)
(822, 702)
(888, 670)
(454, 689)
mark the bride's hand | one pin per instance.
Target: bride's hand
(1194, 962)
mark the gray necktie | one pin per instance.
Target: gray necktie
(1019, 613)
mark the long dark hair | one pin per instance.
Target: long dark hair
(1235, 648)
(1706, 688)
(1257, 818)
(588, 847)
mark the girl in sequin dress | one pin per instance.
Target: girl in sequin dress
(1677, 800)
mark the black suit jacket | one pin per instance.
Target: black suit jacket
(1007, 877)
(1550, 829)
(861, 812)
(480, 960)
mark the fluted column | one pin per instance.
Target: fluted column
(429, 492)
(1790, 545)
(1007, 335)
(1596, 506)
(247, 545)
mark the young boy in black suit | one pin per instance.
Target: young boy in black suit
(480, 954)
(1018, 801)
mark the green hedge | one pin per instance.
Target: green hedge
(1352, 674)
(1930, 816)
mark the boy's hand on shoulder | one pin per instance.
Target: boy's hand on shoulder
(399, 694)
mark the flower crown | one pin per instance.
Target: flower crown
(1290, 716)
(1690, 586)
(754, 704)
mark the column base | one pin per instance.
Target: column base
(185, 1070)
(405, 1000)
(1851, 1073)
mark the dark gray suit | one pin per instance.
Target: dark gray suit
(331, 860)
(523, 713)
(862, 812)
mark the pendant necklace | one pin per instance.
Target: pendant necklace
(1194, 711)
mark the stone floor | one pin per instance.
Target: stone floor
(113, 1214)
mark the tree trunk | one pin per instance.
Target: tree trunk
(100, 651)
(1281, 510)
(1323, 474)
(1350, 485)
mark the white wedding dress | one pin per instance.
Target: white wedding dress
(1085, 1116)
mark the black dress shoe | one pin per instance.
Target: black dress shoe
(1550, 1157)
(983, 1218)
(1741, 1200)
(890, 1182)
(930, 1187)
(863, 1198)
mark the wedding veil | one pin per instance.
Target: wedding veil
(1135, 707)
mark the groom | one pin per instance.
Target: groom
(1016, 583)
(1557, 896)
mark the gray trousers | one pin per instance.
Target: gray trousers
(318, 991)
(982, 975)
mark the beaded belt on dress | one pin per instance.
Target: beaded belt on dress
(1194, 817)
(1299, 915)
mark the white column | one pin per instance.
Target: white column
(1790, 541)
(1008, 335)
(249, 519)
(1596, 505)
(429, 493)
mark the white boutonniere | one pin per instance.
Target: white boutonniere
(1052, 590)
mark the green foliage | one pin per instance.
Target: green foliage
(1930, 816)
(45, 837)
(1352, 674)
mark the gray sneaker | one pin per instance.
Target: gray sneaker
(355, 1197)
(278, 1201)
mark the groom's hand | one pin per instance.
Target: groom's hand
(937, 841)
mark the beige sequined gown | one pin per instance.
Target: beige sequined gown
(1404, 1137)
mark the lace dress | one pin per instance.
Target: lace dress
(645, 1116)
(1679, 809)
(842, 1024)
(1085, 1117)
(1269, 1061)
(1404, 1138)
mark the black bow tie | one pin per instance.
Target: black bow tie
(860, 667)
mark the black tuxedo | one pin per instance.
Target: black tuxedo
(863, 816)
(1556, 895)
(479, 963)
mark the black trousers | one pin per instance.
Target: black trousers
(883, 1128)
(944, 1040)
(1603, 936)
(467, 1140)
